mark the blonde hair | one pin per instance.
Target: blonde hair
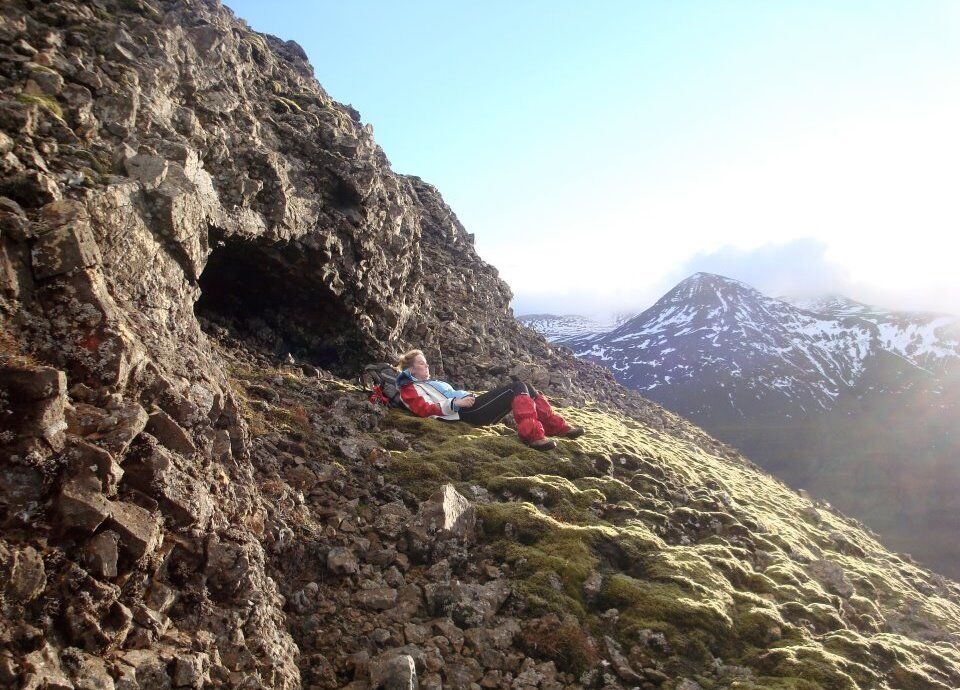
(406, 359)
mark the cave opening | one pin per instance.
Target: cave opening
(270, 295)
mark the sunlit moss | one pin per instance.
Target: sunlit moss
(704, 549)
(48, 103)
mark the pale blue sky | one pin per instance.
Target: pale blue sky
(599, 150)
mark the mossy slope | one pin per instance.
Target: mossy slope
(704, 555)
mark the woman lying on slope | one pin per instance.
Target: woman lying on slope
(427, 397)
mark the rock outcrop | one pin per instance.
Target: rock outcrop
(198, 247)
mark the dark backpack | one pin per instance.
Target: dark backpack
(381, 380)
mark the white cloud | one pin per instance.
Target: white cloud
(867, 203)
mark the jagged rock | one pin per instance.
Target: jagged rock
(88, 672)
(832, 576)
(66, 243)
(377, 599)
(96, 619)
(620, 663)
(32, 405)
(477, 604)
(148, 170)
(101, 554)
(687, 684)
(82, 505)
(415, 633)
(342, 561)
(462, 674)
(23, 573)
(111, 429)
(148, 671)
(446, 515)
(87, 461)
(42, 670)
(592, 586)
(165, 429)
(139, 529)
(655, 676)
(191, 670)
(31, 188)
(392, 519)
(152, 469)
(160, 597)
(393, 672)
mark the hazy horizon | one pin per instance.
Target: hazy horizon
(601, 153)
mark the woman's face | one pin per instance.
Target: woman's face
(420, 368)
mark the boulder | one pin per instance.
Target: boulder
(138, 528)
(446, 515)
(87, 461)
(65, 243)
(342, 561)
(393, 671)
(23, 570)
(149, 170)
(377, 598)
(165, 429)
(832, 577)
(101, 553)
(112, 429)
(620, 664)
(42, 670)
(191, 670)
(154, 470)
(82, 505)
(32, 404)
(87, 671)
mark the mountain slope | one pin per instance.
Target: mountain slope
(197, 248)
(554, 327)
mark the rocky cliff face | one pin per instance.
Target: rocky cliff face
(183, 213)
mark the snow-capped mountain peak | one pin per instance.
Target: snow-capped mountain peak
(711, 333)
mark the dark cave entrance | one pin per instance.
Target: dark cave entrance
(270, 295)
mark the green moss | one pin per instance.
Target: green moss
(48, 103)
(741, 592)
(644, 601)
(808, 663)
(758, 625)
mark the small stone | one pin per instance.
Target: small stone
(378, 599)
(415, 633)
(687, 684)
(342, 561)
(592, 586)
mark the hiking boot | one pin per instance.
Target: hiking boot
(543, 444)
(573, 432)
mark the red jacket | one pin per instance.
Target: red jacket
(427, 400)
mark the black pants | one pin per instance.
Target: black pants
(492, 406)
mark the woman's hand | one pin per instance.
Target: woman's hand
(466, 401)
